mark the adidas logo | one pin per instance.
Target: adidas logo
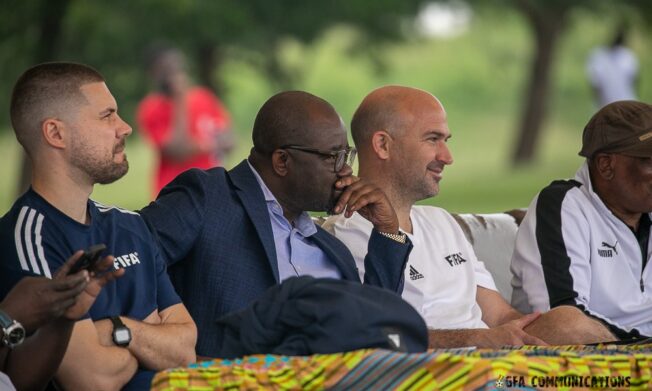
(414, 274)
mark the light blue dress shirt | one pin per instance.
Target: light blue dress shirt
(296, 254)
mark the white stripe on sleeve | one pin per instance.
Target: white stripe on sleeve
(28, 241)
(18, 239)
(39, 247)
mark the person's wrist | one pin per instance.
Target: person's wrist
(62, 321)
(121, 334)
(391, 228)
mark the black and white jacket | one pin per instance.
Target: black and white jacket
(572, 250)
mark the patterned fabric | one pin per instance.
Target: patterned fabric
(627, 367)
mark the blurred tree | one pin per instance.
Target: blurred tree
(548, 20)
(46, 27)
(113, 35)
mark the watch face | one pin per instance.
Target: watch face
(122, 335)
(16, 335)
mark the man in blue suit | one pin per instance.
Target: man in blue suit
(230, 235)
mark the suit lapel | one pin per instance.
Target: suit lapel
(249, 192)
(324, 241)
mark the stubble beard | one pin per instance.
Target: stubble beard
(412, 188)
(101, 171)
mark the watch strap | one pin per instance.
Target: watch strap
(117, 322)
(399, 237)
(5, 320)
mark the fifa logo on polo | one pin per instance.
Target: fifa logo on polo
(126, 260)
(455, 259)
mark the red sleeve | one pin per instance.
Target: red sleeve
(154, 118)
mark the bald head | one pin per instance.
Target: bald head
(49, 90)
(292, 117)
(401, 135)
(389, 108)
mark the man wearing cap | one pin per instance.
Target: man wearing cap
(585, 242)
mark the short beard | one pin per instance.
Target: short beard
(411, 189)
(97, 166)
(102, 172)
(109, 174)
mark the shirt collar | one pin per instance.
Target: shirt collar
(303, 223)
(584, 177)
(266, 192)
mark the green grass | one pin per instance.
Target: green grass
(479, 77)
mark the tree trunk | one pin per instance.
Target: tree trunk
(277, 74)
(547, 24)
(207, 62)
(50, 22)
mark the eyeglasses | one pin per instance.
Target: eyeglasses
(342, 157)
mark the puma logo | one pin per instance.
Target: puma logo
(605, 244)
(609, 251)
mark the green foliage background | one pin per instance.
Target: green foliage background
(479, 76)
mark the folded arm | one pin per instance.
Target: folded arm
(88, 365)
(162, 340)
(495, 309)
(510, 333)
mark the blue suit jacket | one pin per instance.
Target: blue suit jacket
(214, 231)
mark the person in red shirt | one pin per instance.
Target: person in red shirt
(187, 124)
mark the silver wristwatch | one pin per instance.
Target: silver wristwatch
(13, 333)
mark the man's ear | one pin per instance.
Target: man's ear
(380, 142)
(55, 133)
(280, 162)
(605, 165)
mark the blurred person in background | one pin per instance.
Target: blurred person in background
(613, 71)
(188, 125)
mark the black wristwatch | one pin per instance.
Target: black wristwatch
(13, 333)
(121, 333)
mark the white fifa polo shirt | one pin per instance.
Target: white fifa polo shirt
(442, 273)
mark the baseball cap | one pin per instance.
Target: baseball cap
(619, 127)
